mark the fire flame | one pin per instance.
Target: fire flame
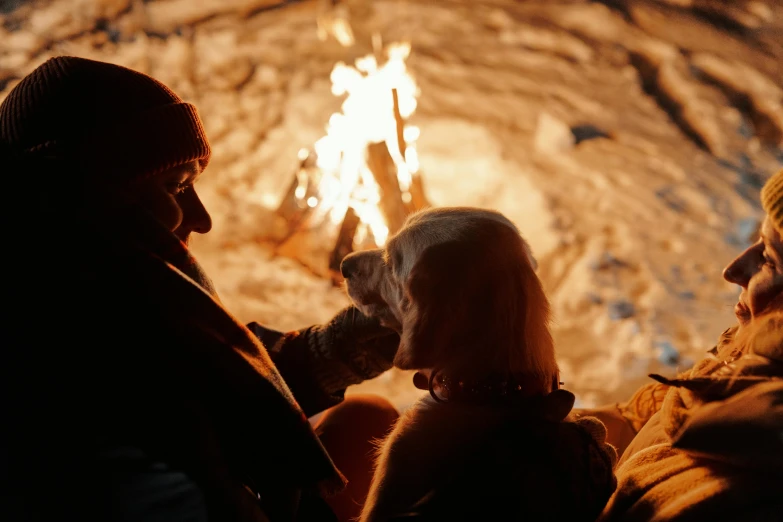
(367, 116)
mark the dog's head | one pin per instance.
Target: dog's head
(459, 284)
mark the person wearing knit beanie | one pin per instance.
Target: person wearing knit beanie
(719, 421)
(772, 200)
(759, 269)
(97, 114)
(131, 390)
(115, 132)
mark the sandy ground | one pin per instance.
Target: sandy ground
(631, 228)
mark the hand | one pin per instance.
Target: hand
(359, 340)
(347, 350)
(350, 323)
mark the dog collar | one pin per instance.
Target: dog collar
(493, 388)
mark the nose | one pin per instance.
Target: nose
(349, 266)
(730, 274)
(739, 270)
(195, 217)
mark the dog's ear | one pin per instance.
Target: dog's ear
(476, 306)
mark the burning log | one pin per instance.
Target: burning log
(417, 200)
(384, 172)
(293, 209)
(399, 122)
(344, 244)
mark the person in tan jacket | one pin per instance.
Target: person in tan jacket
(709, 444)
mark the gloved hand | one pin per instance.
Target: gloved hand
(325, 359)
(359, 338)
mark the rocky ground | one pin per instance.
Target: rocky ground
(627, 139)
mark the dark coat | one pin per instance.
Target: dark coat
(130, 393)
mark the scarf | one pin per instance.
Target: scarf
(256, 408)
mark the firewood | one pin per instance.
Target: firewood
(290, 207)
(344, 244)
(399, 121)
(309, 245)
(417, 200)
(385, 173)
(292, 210)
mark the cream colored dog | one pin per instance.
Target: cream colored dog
(488, 443)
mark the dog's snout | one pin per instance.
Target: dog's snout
(349, 266)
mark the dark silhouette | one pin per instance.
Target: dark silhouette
(129, 391)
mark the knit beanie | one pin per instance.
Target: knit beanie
(772, 199)
(101, 118)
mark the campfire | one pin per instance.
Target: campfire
(356, 185)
